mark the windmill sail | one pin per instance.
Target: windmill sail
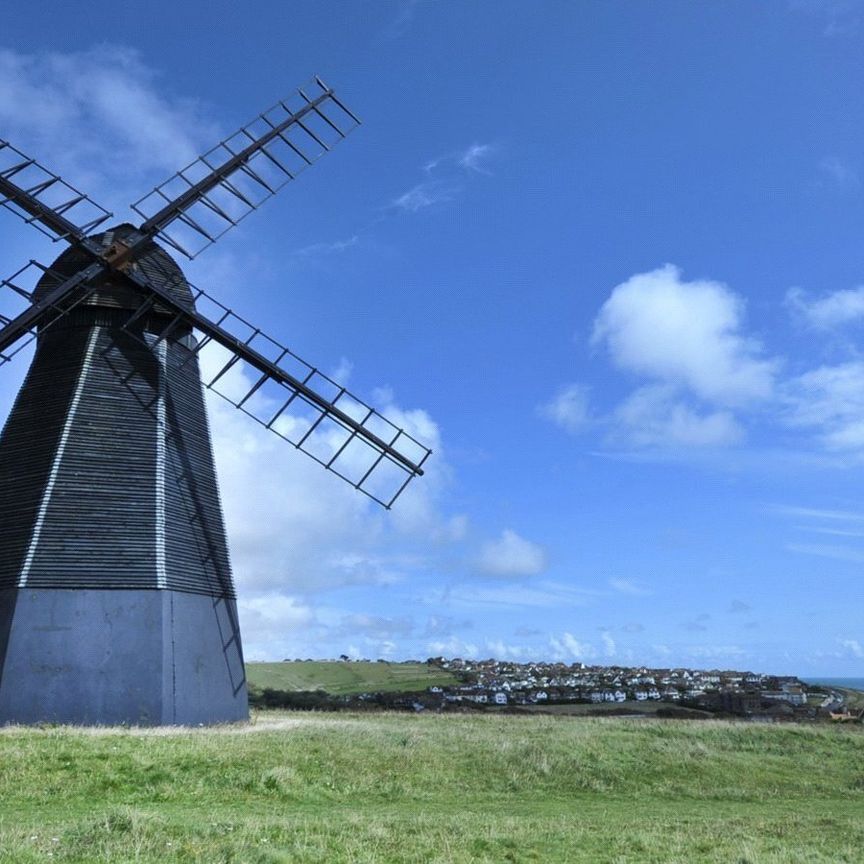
(302, 405)
(57, 209)
(197, 205)
(22, 315)
(295, 400)
(61, 212)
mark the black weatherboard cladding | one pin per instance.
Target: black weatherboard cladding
(196, 549)
(106, 467)
(27, 446)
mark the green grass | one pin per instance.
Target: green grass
(598, 709)
(346, 788)
(342, 679)
(854, 698)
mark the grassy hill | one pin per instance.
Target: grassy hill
(342, 679)
(854, 698)
(333, 789)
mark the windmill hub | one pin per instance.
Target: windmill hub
(114, 291)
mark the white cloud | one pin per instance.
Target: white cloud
(836, 553)
(835, 532)
(684, 333)
(403, 20)
(716, 652)
(511, 555)
(569, 408)
(334, 246)
(838, 18)
(474, 156)
(470, 159)
(852, 647)
(689, 338)
(544, 594)
(629, 586)
(568, 647)
(609, 646)
(376, 627)
(291, 525)
(501, 650)
(829, 399)
(452, 647)
(273, 624)
(101, 117)
(341, 374)
(817, 513)
(423, 195)
(832, 310)
(838, 173)
(653, 416)
(450, 175)
(294, 526)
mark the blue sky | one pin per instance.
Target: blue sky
(604, 257)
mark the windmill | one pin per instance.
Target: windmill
(117, 602)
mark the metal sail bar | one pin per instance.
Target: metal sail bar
(291, 398)
(48, 202)
(13, 295)
(44, 312)
(308, 409)
(212, 194)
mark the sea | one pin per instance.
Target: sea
(849, 683)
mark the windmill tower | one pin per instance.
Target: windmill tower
(117, 603)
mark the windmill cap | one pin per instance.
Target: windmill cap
(153, 262)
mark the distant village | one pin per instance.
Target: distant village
(506, 686)
(717, 691)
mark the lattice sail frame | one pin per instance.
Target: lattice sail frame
(51, 191)
(297, 131)
(13, 292)
(337, 429)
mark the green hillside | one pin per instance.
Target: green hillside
(444, 789)
(344, 678)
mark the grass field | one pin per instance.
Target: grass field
(343, 679)
(587, 709)
(402, 788)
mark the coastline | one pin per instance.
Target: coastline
(845, 683)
